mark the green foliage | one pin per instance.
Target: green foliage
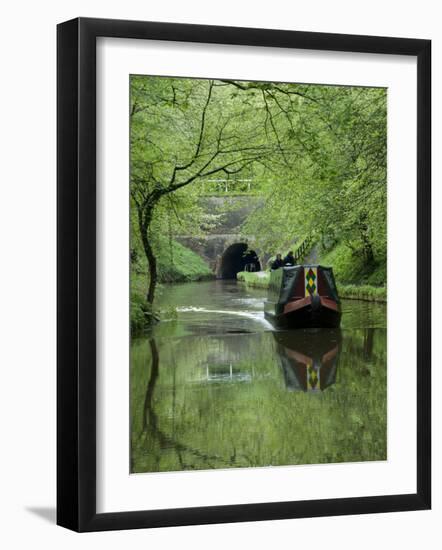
(142, 314)
(350, 267)
(363, 292)
(332, 183)
(316, 156)
(260, 279)
(180, 264)
(176, 263)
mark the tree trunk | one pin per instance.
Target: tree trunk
(144, 225)
(367, 247)
(369, 253)
(152, 261)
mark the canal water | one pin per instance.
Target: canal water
(218, 387)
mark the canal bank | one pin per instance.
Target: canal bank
(367, 293)
(178, 265)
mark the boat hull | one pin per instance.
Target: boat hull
(310, 312)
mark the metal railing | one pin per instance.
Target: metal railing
(224, 186)
(302, 249)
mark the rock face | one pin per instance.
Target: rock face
(226, 248)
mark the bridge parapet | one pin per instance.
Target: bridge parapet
(222, 186)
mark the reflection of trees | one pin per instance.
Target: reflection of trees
(150, 420)
(181, 421)
(362, 345)
(368, 343)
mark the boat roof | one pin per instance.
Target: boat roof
(282, 280)
(306, 265)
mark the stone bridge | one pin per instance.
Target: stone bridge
(226, 249)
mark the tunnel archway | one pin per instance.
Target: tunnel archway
(235, 258)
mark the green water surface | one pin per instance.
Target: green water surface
(218, 387)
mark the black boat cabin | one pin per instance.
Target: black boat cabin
(303, 296)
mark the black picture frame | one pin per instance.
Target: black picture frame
(77, 287)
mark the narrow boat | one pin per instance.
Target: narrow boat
(303, 296)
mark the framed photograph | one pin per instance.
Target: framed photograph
(243, 274)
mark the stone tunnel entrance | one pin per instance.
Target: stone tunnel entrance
(237, 257)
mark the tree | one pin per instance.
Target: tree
(316, 153)
(334, 183)
(183, 131)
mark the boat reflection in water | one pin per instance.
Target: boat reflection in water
(309, 358)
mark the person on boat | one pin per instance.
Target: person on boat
(289, 259)
(276, 264)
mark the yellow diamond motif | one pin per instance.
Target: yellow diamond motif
(312, 378)
(311, 287)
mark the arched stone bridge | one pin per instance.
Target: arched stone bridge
(226, 249)
(226, 253)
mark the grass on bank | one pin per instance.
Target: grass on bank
(368, 293)
(355, 279)
(363, 292)
(178, 264)
(260, 279)
(351, 269)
